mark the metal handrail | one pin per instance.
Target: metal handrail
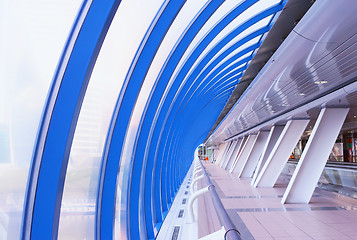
(231, 232)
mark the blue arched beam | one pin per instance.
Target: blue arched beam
(188, 87)
(233, 75)
(185, 133)
(52, 149)
(195, 73)
(165, 75)
(142, 169)
(159, 119)
(185, 127)
(196, 78)
(118, 128)
(206, 81)
(186, 123)
(203, 118)
(200, 122)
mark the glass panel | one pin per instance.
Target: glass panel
(262, 23)
(32, 36)
(220, 13)
(184, 17)
(77, 219)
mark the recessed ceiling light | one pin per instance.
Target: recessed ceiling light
(321, 82)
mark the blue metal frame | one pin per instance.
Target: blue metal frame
(185, 127)
(177, 117)
(144, 168)
(141, 167)
(52, 149)
(118, 128)
(174, 102)
(160, 205)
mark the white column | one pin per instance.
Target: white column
(254, 155)
(234, 153)
(228, 144)
(236, 156)
(281, 152)
(230, 153)
(224, 158)
(315, 155)
(244, 154)
(222, 147)
(273, 136)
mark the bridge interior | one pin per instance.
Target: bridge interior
(178, 119)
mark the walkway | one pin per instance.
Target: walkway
(259, 214)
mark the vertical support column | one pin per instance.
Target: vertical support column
(222, 149)
(315, 155)
(236, 156)
(234, 153)
(229, 154)
(244, 154)
(214, 154)
(273, 136)
(224, 157)
(255, 154)
(281, 152)
(229, 145)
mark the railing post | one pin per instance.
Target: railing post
(192, 199)
(231, 232)
(194, 181)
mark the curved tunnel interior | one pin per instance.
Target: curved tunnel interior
(139, 85)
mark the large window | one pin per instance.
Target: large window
(32, 35)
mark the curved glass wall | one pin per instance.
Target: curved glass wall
(32, 35)
(149, 44)
(77, 219)
(141, 14)
(182, 20)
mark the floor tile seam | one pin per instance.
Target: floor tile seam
(327, 224)
(202, 200)
(294, 224)
(240, 225)
(208, 208)
(219, 190)
(261, 224)
(294, 209)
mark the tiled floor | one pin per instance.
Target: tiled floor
(259, 210)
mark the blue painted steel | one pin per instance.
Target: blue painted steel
(164, 187)
(170, 129)
(120, 120)
(157, 134)
(49, 163)
(196, 78)
(185, 127)
(188, 128)
(232, 75)
(195, 73)
(205, 81)
(197, 122)
(144, 127)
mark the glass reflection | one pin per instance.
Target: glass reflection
(77, 219)
(32, 35)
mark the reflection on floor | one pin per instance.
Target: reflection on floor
(259, 214)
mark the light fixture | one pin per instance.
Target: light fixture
(321, 82)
